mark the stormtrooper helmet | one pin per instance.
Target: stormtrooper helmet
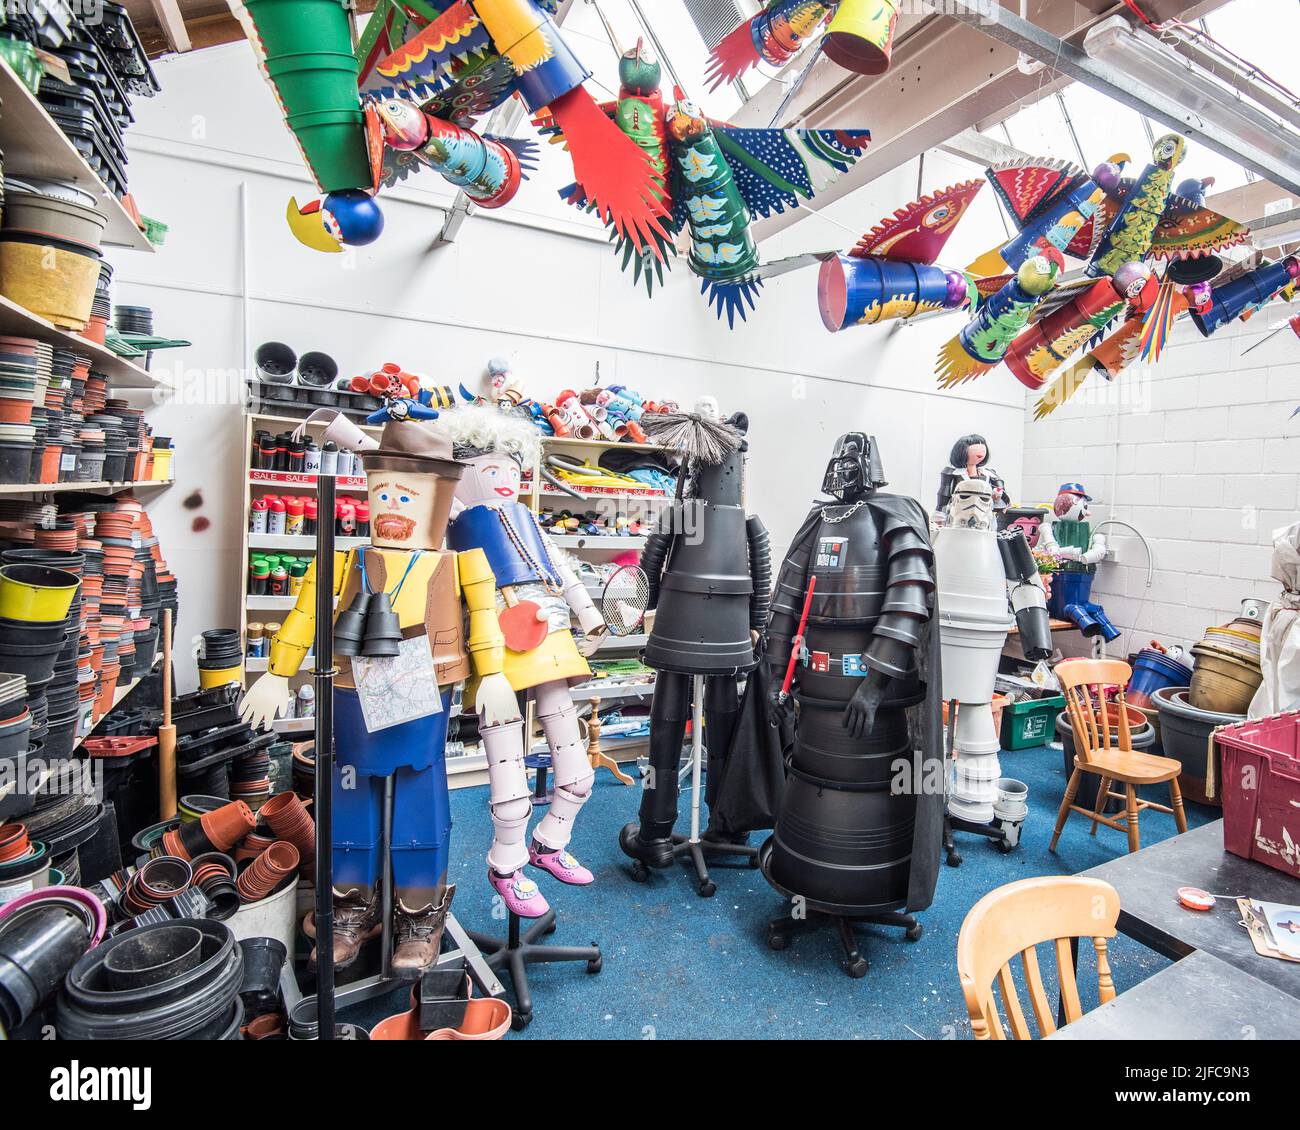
(854, 468)
(1072, 503)
(972, 504)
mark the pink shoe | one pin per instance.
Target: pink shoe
(521, 895)
(562, 865)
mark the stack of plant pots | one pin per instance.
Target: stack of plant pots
(49, 250)
(1227, 672)
(221, 660)
(101, 308)
(1187, 735)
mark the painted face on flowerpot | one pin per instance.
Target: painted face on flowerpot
(976, 454)
(491, 479)
(407, 510)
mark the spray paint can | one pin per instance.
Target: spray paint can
(257, 516)
(362, 508)
(275, 515)
(293, 516)
(329, 459)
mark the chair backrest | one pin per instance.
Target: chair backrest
(1013, 920)
(1092, 714)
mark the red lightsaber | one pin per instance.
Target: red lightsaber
(796, 644)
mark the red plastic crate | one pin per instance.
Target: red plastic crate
(1260, 786)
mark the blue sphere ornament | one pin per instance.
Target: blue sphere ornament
(351, 216)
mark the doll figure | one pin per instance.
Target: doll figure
(1069, 537)
(536, 591)
(403, 602)
(969, 460)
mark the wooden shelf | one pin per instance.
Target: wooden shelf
(298, 541)
(18, 321)
(35, 146)
(293, 479)
(598, 541)
(81, 488)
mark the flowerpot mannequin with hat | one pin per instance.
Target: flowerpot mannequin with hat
(1069, 536)
(536, 592)
(402, 645)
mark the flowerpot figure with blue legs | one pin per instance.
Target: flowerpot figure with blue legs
(1069, 536)
(413, 620)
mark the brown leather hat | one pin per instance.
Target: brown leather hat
(410, 446)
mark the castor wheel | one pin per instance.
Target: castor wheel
(1006, 846)
(954, 859)
(596, 964)
(549, 929)
(520, 1020)
(777, 940)
(914, 933)
(640, 872)
(708, 889)
(856, 968)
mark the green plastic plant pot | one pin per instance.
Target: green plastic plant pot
(301, 25)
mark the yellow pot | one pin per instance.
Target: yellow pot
(219, 678)
(36, 593)
(49, 280)
(860, 36)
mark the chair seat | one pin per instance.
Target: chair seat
(1130, 766)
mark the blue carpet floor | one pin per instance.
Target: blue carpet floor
(677, 966)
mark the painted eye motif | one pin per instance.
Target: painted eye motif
(403, 498)
(936, 216)
(383, 496)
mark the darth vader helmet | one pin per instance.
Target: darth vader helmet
(854, 469)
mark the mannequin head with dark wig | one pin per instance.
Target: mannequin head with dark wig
(963, 456)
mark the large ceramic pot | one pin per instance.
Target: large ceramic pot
(1224, 681)
(1187, 734)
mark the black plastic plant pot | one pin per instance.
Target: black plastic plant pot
(15, 735)
(218, 887)
(36, 661)
(187, 1005)
(61, 738)
(195, 839)
(164, 876)
(317, 370)
(145, 840)
(264, 958)
(28, 871)
(15, 462)
(34, 631)
(275, 361)
(153, 957)
(38, 945)
(304, 1025)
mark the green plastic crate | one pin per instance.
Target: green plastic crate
(1031, 722)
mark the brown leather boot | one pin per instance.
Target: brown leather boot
(418, 935)
(356, 921)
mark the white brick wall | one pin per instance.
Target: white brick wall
(1199, 453)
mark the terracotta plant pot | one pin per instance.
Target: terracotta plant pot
(290, 821)
(227, 825)
(486, 1018)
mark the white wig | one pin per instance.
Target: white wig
(480, 429)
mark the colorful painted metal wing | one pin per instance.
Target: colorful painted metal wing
(398, 165)
(917, 232)
(1186, 231)
(1026, 187)
(428, 57)
(1087, 237)
(775, 169)
(774, 36)
(1157, 323)
(480, 85)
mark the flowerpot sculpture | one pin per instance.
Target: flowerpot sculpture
(536, 593)
(860, 824)
(401, 648)
(708, 570)
(984, 577)
(1069, 537)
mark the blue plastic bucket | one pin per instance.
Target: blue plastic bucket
(1153, 670)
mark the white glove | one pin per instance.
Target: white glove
(1069, 553)
(496, 702)
(265, 700)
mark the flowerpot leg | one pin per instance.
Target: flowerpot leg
(1176, 799)
(1103, 796)
(1131, 817)
(1066, 801)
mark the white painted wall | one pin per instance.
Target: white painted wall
(1199, 453)
(211, 157)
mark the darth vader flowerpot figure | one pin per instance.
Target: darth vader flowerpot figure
(401, 648)
(861, 821)
(1069, 537)
(536, 593)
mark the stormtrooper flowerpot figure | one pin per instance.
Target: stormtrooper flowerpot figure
(401, 647)
(981, 576)
(1069, 537)
(536, 593)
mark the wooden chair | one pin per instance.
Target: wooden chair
(1015, 919)
(1115, 760)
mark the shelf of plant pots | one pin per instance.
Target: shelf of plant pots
(34, 145)
(121, 372)
(81, 488)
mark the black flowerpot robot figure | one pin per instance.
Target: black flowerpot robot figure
(709, 572)
(860, 828)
